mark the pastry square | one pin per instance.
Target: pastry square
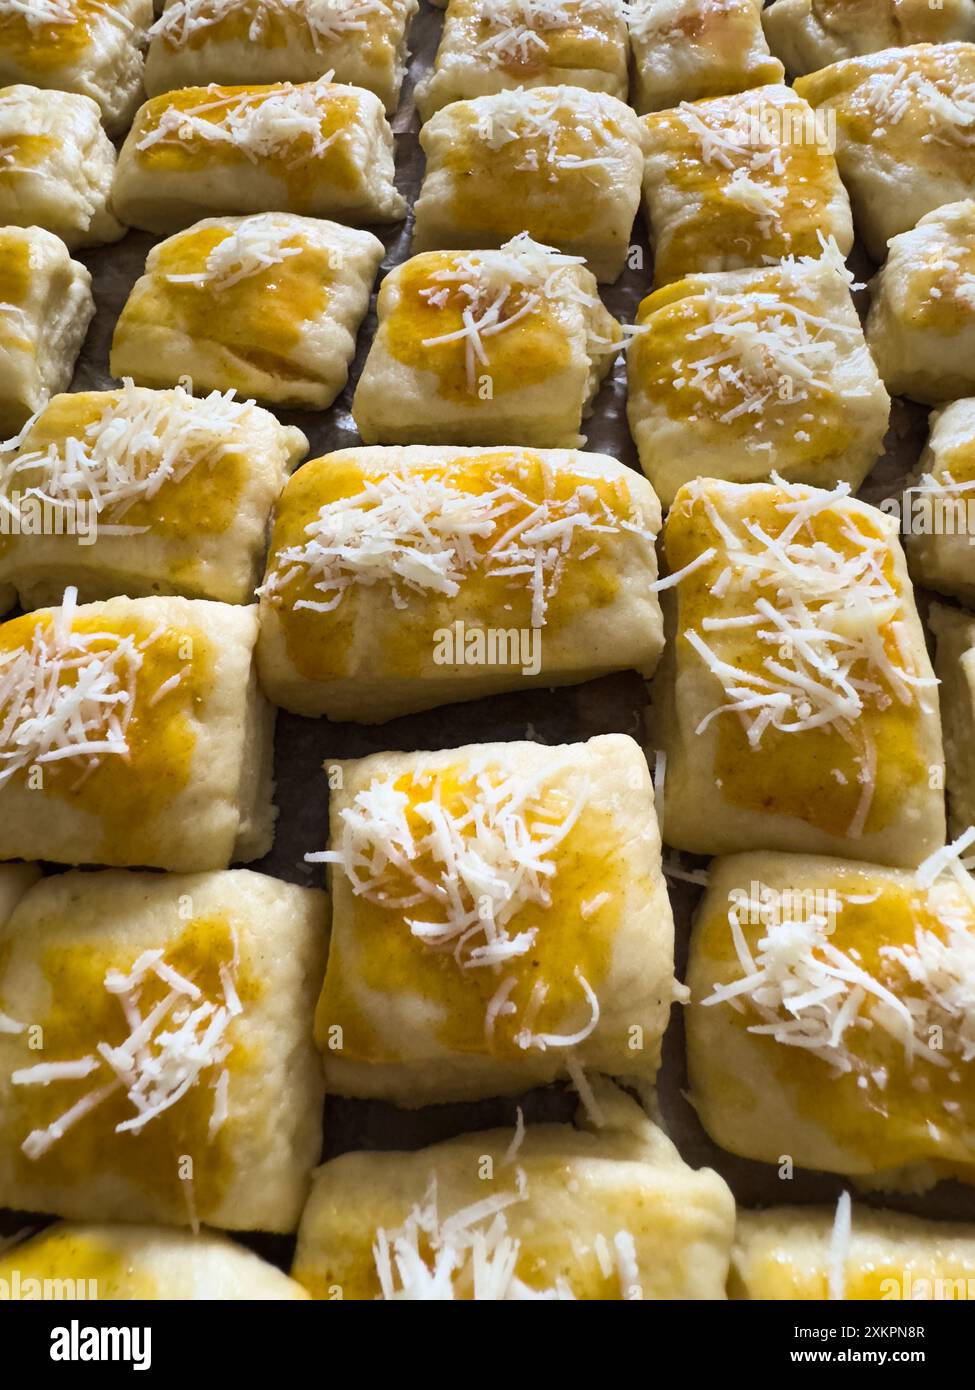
(132, 733)
(578, 1213)
(362, 42)
(561, 163)
(78, 46)
(487, 347)
(795, 700)
(954, 664)
(46, 306)
(685, 50)
(921, 327)
(828, 1017)
(319, 149)
(739, 182)
(140, 1262)
(500, 45)
(810, 34)
(143, 492)
(268, 306)
(940, 521)
(500, 920)
(788, 1253)
(56, 166)
(162, 1067)
(388, 566)
(734, 374)
(903, 138)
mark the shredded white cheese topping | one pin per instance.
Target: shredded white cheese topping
(254, 246)
(138, 444)
(492, 852)
(472, 1254)
(67, 695)
(949, 106)
(261, 125)
(497, 289)
(810, 994)
(543, 124)
(324, 21)
(520, 27)
(168, 1051)
(820, 614)
(40, 13)
(420, 533)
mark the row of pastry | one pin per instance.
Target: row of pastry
(498, 919)
(674, 49)
(555, 1213)
(728, 371)
(729, 182)
(400, 579)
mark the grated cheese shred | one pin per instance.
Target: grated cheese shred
(140, 442)
(168, 1051)
(424, 534)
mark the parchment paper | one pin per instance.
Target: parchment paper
(615, 704)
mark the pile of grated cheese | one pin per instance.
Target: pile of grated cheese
(472, 1254)
(760, 350)
(256, 245)
(474, 865)
(169, 1050)
(809, 994)
(262, 125)
(38, 13)
(821, 618)
(746, 143)
(498, 289)
(543, 123)
(520, 26)
(425, 534)
(67, 695)
(139, 443)
(949, 108)
(325, 21)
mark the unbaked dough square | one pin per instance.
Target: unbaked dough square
(921, 327)
(486, 347)
(791, 1253)
(561, 163)
(132, 733)
(500, 921)
(735, 374)
(143, 492)
(268, 306)
(685, 50)
(739, 182)
(318, 149)
(903, 138)
(939, 518)
(609, 1211)
(501, 45)
(826, 1020)
(81, 46)
(46, 306)
(141, 1263)
(362, 42)
(795, 700)
(56, 166)
(954, 664)
(809, 34)
(402, 579)
(160, 1064)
